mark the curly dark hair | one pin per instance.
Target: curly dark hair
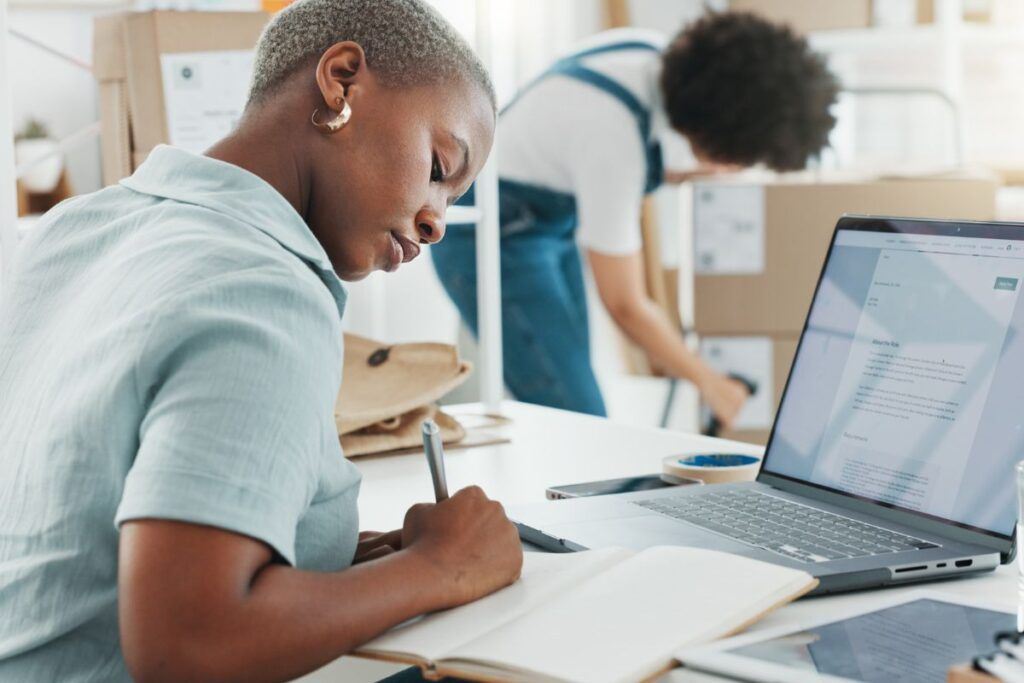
(744, 91)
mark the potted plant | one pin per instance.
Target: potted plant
(32, 144)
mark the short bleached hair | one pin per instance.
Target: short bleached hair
(406, 42)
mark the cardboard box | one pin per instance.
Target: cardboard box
(978, 10)
(151, 35)
(765, 360)
(129, 62)
(1010, 175)
(925, 11)
(810, 15)
(759, 248)
(903, 13)
(115, 132)
(108, 60)
(110, 72)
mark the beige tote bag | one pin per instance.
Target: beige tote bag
(388, 390)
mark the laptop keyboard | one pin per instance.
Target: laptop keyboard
(791, 529)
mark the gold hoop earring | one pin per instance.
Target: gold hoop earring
(338, 122)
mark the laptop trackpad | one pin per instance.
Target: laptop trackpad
(641, 532)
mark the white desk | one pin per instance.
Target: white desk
(548, 447)
(555, 447)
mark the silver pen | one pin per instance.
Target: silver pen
(435, 458)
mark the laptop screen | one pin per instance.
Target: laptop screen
(908, 386)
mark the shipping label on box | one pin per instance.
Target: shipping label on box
(728, 227)
(204, 95)
(157, 102)
(745, 355)
(753, 359)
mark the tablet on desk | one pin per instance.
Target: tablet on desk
(913, 639)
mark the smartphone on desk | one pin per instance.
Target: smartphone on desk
(646, 482)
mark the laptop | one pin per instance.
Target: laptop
(892, 455)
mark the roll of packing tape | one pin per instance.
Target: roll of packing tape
(713, 468)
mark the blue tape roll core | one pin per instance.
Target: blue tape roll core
(718, 460)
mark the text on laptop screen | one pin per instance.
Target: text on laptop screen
(908, 388)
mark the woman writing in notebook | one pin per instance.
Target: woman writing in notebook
(174, 501)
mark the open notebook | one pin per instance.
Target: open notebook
(600, 615)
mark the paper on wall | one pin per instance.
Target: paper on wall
(204, 95)
(752, 358)
(728, 227)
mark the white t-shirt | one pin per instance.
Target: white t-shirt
(572, 137)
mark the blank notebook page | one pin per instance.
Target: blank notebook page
(544, 576)
(624, 623)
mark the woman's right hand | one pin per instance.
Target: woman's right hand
(469, 540)
(725, 396)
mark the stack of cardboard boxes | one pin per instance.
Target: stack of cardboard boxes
(758, 253)
(170, 77)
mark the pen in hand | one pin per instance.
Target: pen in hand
(435, 458)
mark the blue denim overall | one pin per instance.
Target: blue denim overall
(546, 336)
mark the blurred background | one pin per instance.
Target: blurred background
(930, 85)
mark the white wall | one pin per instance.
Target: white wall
(46, 88)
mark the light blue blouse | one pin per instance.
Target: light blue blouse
(169, 348)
